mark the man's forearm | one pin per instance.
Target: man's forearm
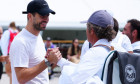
(26, 74)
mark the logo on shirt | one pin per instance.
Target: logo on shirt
(130, 73)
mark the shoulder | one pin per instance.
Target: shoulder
(86, 44)
(6, 32)
(19, 44)
(95, 53)
(97, 50)
(19, 39)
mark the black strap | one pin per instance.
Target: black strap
(136, 51)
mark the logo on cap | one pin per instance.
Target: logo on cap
(44, 4)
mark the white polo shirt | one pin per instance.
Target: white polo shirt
(28, 50)
(121, 43)
(89, 67)
(136, 45)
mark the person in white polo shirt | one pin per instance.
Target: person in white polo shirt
(132, 30)
(121, 42)
(89, 70)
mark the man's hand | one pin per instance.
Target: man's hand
(7, 59)
(2, 58)
(53, 55)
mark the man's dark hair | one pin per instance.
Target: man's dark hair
(135, 25)
(116, 25)
(106, 33)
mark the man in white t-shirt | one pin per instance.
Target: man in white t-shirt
(132, 30)
(27, 50)
(89, 69)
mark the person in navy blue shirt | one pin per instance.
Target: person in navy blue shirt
(49, 44)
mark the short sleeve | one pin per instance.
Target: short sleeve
(19, 55)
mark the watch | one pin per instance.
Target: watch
(47, 62)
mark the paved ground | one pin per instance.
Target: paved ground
(5, 79)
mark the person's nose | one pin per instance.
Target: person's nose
(46, 18)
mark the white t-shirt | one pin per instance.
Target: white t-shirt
(27, 50)
(121, 43)
(88, 70)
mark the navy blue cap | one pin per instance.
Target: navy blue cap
(39, 6)
(101, 18)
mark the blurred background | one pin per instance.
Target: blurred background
(67, 24)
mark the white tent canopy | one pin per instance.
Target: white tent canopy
(70, 12)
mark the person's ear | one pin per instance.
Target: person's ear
(29, 15)
(92, 31)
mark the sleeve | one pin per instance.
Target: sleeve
(63, 62)
(90, 64)
(19, 55)
(5, 42)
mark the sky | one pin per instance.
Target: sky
(71, 11)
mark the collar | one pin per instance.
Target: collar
(10, 29)
(102, 42)
(136, 45)
(29, 33)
